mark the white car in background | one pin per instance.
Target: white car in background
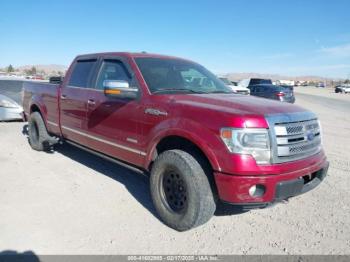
(345, 88)
(235, 88)
(9, 109)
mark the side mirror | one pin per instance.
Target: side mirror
(119, 88)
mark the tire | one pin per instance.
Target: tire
(187, 201)
(37, 133)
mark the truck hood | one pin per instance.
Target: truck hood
(236, 104)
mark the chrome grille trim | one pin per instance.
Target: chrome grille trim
(293, 136)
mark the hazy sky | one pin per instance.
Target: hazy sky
(286, 37)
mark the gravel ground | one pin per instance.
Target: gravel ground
(71, 202)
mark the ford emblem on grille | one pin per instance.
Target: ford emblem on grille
(310, 136)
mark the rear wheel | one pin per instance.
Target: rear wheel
(181, 190)
(38, 136)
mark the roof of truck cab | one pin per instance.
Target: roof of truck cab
(131, 55)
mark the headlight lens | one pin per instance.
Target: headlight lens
(248, 141)
(7, 103)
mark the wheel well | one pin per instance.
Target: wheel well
(177, 142)
(34, 108)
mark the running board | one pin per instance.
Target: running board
(121, 163)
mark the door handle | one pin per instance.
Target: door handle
(91, 102)
(63, 96)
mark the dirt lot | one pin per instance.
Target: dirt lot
(71, 202)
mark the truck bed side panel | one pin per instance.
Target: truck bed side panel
(45, 97)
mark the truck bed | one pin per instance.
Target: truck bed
(46, 94)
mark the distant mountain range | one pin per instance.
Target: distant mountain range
(46, 68)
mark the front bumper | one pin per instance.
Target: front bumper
(234, 189)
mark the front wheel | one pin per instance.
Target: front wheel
(181, 191)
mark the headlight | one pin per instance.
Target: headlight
(7, 103)
(248, 141)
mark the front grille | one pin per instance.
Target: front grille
(294, 138)
(294, 129)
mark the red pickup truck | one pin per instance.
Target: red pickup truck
(175, 120)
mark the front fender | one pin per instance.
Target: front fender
(204, 138)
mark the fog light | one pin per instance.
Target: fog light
(257, 191)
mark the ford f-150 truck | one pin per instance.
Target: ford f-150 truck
(174, 120)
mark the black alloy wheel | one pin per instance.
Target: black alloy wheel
(174, 191)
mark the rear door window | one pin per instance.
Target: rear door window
(82, 72)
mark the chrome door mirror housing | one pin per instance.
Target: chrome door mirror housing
(119, 88)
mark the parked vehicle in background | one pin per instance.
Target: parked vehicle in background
(38, 77)
(11, 99)
(285, 82)
(260, 81)
(9, 109)
(300, 83)
(56, 79)
(235, 83)
(172, 118)
(321, 85)
(12, 89)
(286, 86)
(338, 89)
(275, 92)
(342, 89)
(235, 88)
(254, 81)
(346, 89)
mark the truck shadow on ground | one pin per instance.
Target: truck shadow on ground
(135, 183)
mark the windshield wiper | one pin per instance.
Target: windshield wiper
(178, 90)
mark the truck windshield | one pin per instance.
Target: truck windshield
(178, 76)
